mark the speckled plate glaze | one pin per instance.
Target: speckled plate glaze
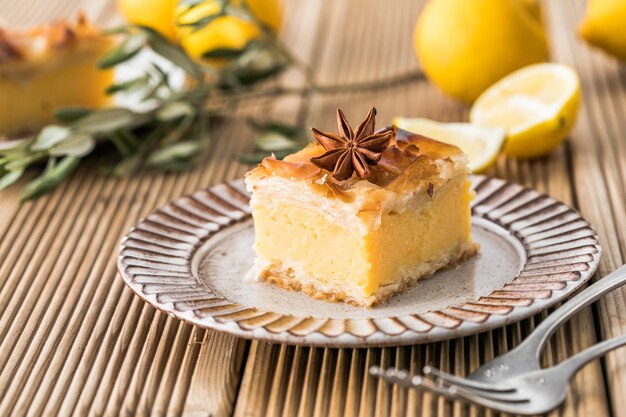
(190, 257)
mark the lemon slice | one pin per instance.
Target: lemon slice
(537, 105)
(481, 144)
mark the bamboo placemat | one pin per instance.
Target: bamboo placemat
(75, 341)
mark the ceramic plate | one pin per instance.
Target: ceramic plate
(189, 259)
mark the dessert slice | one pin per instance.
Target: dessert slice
(48, 67)
(361, 215)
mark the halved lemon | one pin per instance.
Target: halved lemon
(537, 105)
(481, 144)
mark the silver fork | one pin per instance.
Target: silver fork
(528, 393)
(495, 378)
(525, 357)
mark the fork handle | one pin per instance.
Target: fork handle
(571, 365)
(537, 339)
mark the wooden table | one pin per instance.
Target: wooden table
(75, 341)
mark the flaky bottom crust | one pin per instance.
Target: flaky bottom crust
(287, 278)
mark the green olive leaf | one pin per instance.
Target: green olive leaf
(175, 110)
(161, 72)
(174, 153)
(124, 51)
(240, 11)
(106, 120)
(10, 147)
(257, 62)
(78, 144)
(125, 167)
(129, 85)
(200, 23)
(70, 114)
(10, 177)
(172, 53)
(51, 177)
(273, 141)
(225, 53)
(21, 161)
(50, 136)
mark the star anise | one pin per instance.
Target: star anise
(351, 151)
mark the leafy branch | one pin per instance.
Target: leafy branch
(171, 129)
(168, 136)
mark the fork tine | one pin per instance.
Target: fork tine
(396, 376)
(450, 379)
(402, 377)
(506, 397)
(478, 398)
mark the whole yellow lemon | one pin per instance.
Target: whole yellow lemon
(604, 27)
(226, 35)
(155, 14)
(466, 46)
(534, 8)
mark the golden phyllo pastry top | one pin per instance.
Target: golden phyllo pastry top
(406, 163)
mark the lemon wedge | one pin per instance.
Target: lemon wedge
(481, 144)
(537, 105)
